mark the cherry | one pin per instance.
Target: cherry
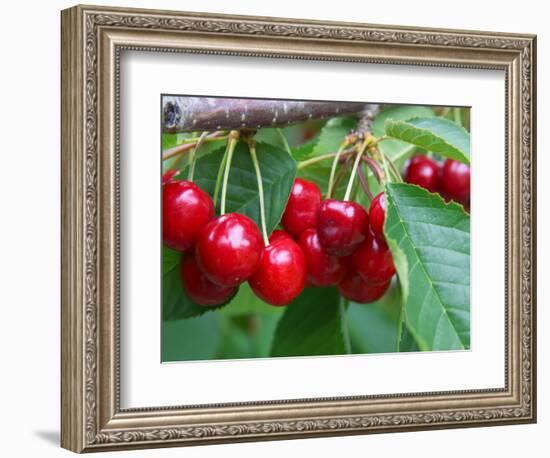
(169, 175)
(423, 171)
(199, 288)
(377, 215)
(456, 181)
(341, 226)
(301, 209)
(281, 275)
(322, 269)
(373, 260)
(186, 208)
(354, 288)
(229, 249)
(278, 234)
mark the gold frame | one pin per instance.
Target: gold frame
(92, 40)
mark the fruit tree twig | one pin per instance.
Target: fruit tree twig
(186, 114)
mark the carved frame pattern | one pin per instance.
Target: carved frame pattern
(86, 422)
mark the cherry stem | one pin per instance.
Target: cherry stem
(365, 183)
(394, 170)
(385, 165)
(190, 144)
(375, 168)
(343, 307)
(193, 158)
(354, 169)
(220, 175)
(254, 156)
(284, 140)
(333, 169)
(233, 139)
(321, 157)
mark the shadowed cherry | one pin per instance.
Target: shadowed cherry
(322, 269)
(169, 175)
(199, 288)
(354, 288)
(373, 260)
(341, 226)
(455, 181)
(278, 234)
(423, 171)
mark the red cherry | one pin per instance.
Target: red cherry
(282, 273)
(229, 249)
(186, 208)
(278, 234)
(199, 288)
(354, 288)
(377, 215)
(301, 209)
(373, 260)
(456, 181)
(322, 269)
(169, 175)
(341, 226)
(423, 171)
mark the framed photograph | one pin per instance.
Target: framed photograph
(276, 228)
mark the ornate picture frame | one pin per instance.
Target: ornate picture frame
(92, 41)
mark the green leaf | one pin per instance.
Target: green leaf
(406, 342)
(439, 135)
(373, 327)
(435, 238)
(311, 325)
(305, 150)
(397, 150)
(332, 135)
(176, 304)
(247, 303)
(329, 139)
(191, 340)
(278, 171)
(399, 113)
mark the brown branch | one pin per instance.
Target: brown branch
(367, 119)
(187, 114)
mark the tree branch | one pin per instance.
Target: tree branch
(185, 114)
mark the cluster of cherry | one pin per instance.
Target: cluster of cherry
(450, 178)
(323, 243)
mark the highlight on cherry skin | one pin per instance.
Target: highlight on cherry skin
(302, 206)
(186, 209)
(229, 249)
(281, 275)
(423, 171)
(377, 215)
(341, 226)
